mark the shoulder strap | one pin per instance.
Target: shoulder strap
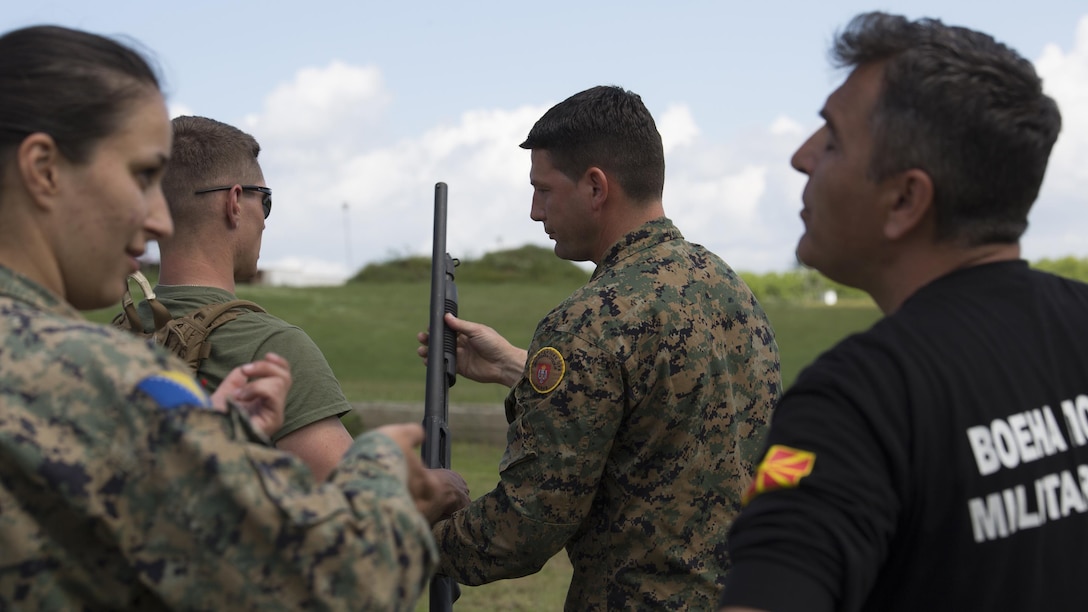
(128, 318)
(187, 336)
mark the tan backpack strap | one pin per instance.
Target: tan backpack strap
(203, 321)
(129, 318)
(159, 312)
(215, 313)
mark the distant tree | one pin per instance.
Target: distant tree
(536, 264)
(528, 263)
(404, 270)
(1069, 267)
(524, 264)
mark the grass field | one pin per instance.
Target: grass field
(367, 332)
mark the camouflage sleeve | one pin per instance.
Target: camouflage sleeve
(218, 522)
(567, 410)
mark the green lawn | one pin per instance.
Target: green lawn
(368, 331)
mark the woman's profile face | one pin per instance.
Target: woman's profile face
(112, 205)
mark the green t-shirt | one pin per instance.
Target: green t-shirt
(315, 393)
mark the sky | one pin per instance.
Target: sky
(361, 107)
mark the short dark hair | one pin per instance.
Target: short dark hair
(607, 127)
(964, 108)
(206, 153)
(73, 85)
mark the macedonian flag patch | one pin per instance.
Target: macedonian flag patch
(546, 370)
(782, 468)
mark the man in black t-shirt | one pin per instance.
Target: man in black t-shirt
(938, 461)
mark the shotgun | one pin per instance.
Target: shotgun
(441, 375)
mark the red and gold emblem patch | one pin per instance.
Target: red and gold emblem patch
(546, 369)
(782, 468)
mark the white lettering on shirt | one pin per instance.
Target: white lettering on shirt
(1056, 496)
(1021, 438)
(1076, 419)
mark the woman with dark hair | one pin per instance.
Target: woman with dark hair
(122, 484)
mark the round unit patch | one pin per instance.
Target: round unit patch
(546, 369)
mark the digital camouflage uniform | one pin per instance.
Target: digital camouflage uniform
(120, 489)
(633, 433)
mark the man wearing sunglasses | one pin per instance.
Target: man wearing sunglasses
(219, 203)
(266, 201)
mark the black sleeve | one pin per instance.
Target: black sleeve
(817, 541)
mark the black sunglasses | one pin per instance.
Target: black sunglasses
(266, 201)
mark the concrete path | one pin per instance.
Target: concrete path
(483, 423)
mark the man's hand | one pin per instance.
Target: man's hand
(437, 493)
(482, 354)
(259, 389)
(450, 496)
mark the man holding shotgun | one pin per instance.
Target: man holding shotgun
(637, 414)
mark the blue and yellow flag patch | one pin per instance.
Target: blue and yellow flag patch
(171, 388)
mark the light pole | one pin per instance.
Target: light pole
(347, 237)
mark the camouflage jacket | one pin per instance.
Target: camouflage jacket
(634, 433)
(120, 489)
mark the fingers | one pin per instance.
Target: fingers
(277, 359)
(460, 325)
(457, 325)
(437, 493)
(424, 488)
(234, 381)
(452, 494)
(422, 349)
(272, 371)
(422, 485)
(260, 389)
(265, 389)
(453, 323)
(443, 492)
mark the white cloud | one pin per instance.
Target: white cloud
(786, 126)
(177, 110)
(739, 197)
(1065, 78)
(389, 189)
(730, 198)
(1059, 219)
(677, 127)
(322, 115)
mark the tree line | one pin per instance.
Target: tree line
(540, 265)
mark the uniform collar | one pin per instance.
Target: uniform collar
(647, 235)
(23, 289)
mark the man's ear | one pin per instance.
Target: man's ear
(597, 182)
(914, 201)
(38, 162)
(232, 208)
